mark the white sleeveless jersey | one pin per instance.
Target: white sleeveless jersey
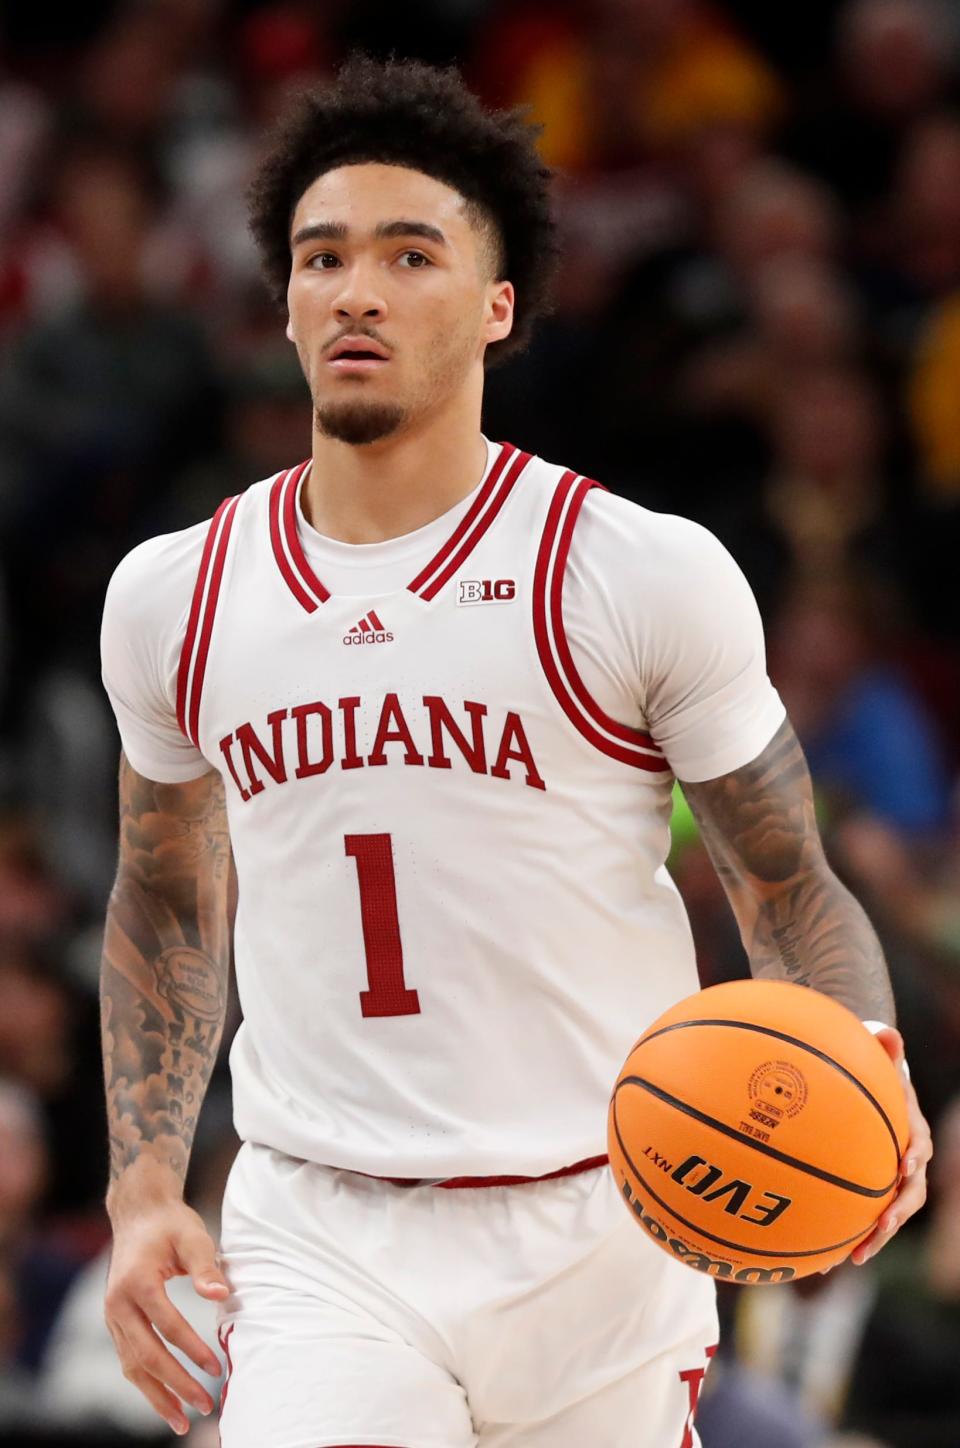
(454, 915)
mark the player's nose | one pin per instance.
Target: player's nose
(359, 297)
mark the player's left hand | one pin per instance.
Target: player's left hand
(912, 1192)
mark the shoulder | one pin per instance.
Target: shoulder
(163, 570)
(651, 548)
(157, 577)
(145, 615)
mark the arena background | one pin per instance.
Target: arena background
(758, 325)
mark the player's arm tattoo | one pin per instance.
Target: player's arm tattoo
(166, 956)
(797, 920)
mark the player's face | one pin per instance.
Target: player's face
(391, 297)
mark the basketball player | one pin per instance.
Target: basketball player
(433, 692)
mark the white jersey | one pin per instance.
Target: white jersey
(448, 763)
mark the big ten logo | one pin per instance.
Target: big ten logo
(487, 590)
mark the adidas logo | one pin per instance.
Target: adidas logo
(368, 631)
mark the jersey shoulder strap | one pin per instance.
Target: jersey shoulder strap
(203, 610)
(618, 741)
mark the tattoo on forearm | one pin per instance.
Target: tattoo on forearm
(796, 918)
(165, 966)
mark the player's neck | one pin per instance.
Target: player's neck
(370, 494)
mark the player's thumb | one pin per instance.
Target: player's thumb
(199, 1257)
(892, 1042)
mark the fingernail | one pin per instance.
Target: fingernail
(179, 1425)
(213, 1367)
(891, 1225)
(911, 1165)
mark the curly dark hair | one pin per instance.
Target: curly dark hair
(406, 113)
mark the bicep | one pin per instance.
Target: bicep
(758, 822)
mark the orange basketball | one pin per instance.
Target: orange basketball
(756, 1131)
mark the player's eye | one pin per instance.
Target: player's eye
(415, 260)
(324, 261)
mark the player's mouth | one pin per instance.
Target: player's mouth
(357, 355)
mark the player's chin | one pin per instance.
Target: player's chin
(359, 421)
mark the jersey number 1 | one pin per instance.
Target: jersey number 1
(387, 993)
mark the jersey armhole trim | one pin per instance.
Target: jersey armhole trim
(203, 608)
(619, 741)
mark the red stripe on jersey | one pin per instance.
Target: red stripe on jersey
(276, 542)
(507, 451)
(471, 539)
(474, 1183)
(285, 540)
(613, 726)
(228, 510)
(292, 536)
(629, 746)
(456, 1183)
(375, 621)
(189, 672)
(186, 652)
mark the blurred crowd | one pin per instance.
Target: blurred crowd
(757, 325)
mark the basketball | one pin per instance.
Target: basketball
(756, 1131)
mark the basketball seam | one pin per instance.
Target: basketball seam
(745, 1140)
(722, 1241)
(791, 1041)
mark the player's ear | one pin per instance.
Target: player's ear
(499, 319)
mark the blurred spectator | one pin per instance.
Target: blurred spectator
(807, 1336)
(68, 777)
(911, 896)
(49, 1044)
(125, 81)
(854, 711)
(821, 511)
(935, 401)
(33, 1272)
(26, 120)
(618, 81)
(32, 903)
(801, 322)
(918, 254)
(891, 63)
(281, 48)
(267, 422)
(741, 1408)
(98, 404)
(775, 211)
(34, 1022)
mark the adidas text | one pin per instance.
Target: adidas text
(368, 638)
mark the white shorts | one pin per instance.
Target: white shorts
(418, 1317)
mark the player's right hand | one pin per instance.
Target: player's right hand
(149, 1247)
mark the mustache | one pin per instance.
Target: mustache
(369, 332)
